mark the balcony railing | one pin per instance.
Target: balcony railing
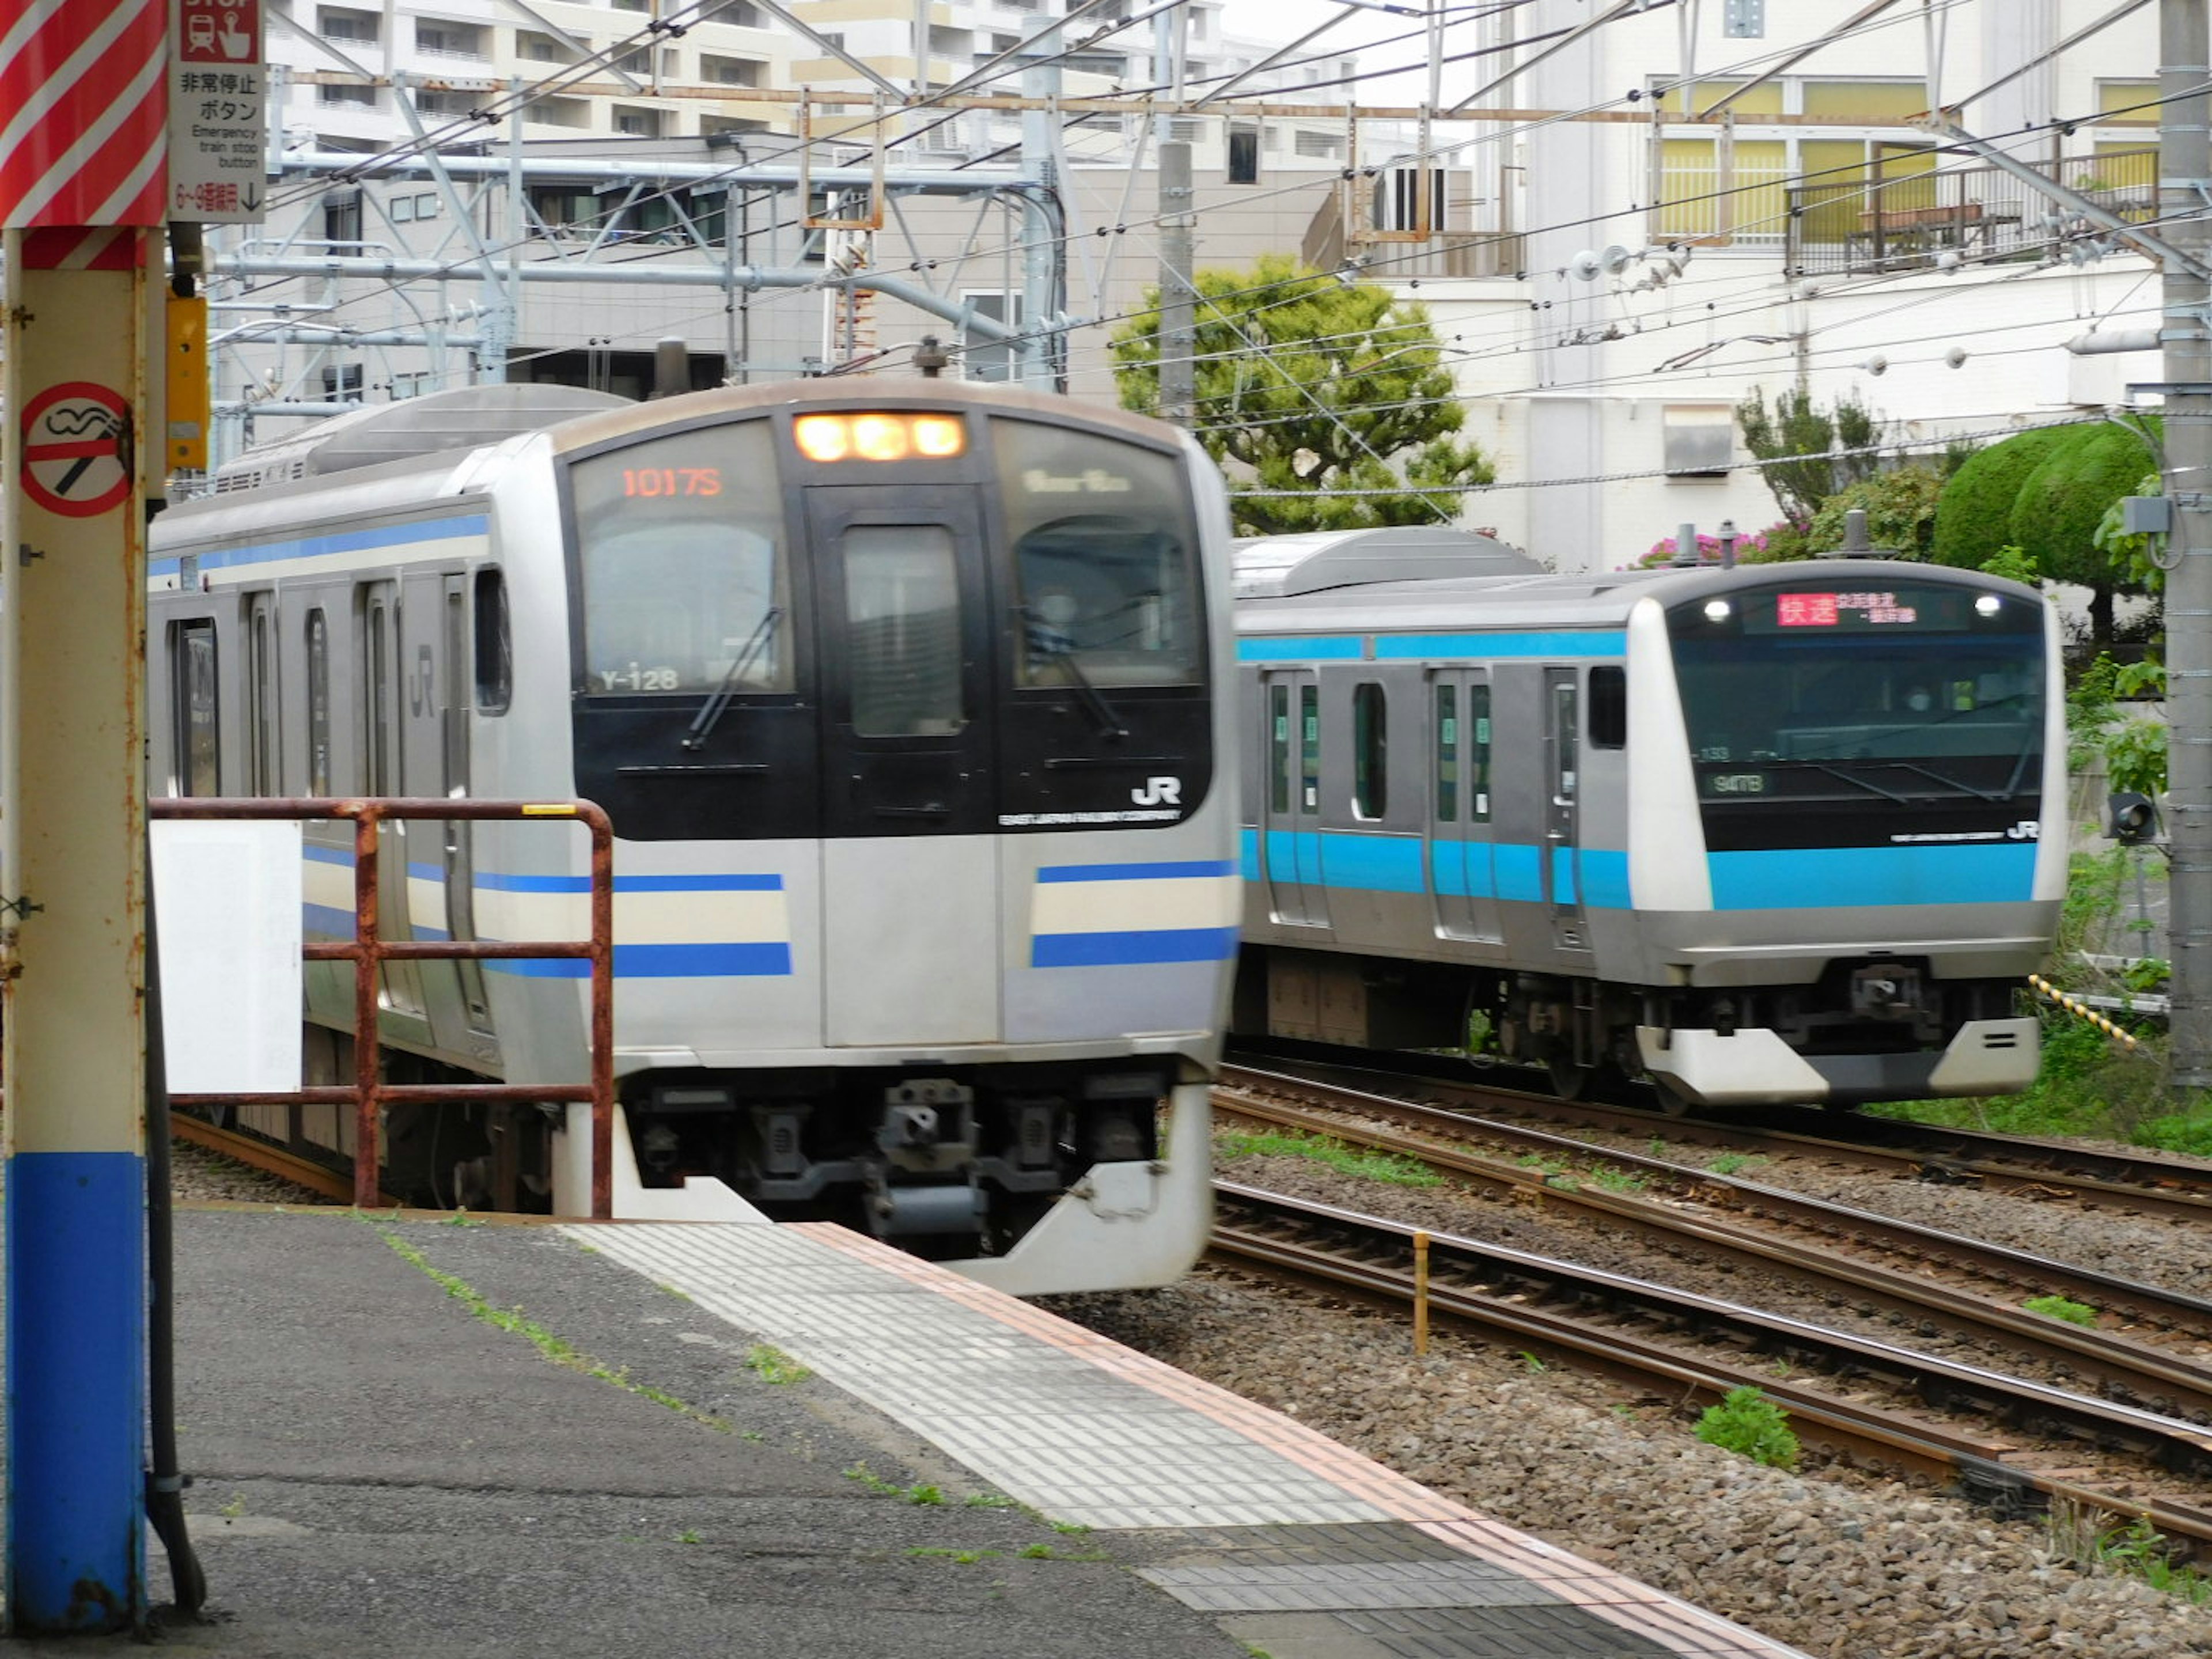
(1965, 215)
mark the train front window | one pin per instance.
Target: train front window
(1104, 568)
(680, 542)
(1910, 693)
(903, 639)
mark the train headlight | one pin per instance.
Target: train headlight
(1717, 610)
(939, 436)
(879, 436)
(1988, 605)
(823, 437)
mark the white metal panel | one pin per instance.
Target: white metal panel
(227, 909)
(910, 940)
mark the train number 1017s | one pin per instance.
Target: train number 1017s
(671, 481)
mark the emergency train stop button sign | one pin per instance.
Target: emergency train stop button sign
(218, 119)
(76, 437)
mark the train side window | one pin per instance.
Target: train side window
(198, 737)
(903, 630)
(494, 643)
(319, 704)
(1278, 748)
(1609, 707)
(1447, 754)
(380, 710)
(1478, 715)
(1309, 749)
(261, 734)
(1370, 750)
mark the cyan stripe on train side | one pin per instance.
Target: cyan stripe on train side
(332, 546)
(1385, 647)
(1853, 877)
(1154, 944)
(1393, 864)
(1553, 642)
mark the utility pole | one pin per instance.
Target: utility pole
(1178, 334)
(2184, 169)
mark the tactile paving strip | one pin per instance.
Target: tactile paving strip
(1285, 1523)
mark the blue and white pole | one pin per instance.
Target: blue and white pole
(73, 385)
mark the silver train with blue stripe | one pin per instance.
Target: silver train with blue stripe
(1776, 833)
(901, 698)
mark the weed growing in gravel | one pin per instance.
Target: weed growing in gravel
(1728, 1163)
(687, 1537)
(772, 1364)
(988, 1500)
(1657, 1147)
(965, 1557)
(1617, 1180)
(1346, 1160)
(2095, 1542)
(1537, 1367)
(2057, 1307)
(1747, 1421)
(461, 1217)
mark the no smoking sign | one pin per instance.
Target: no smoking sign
(75, 436)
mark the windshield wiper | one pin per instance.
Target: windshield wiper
(1109, 723)
(702, 723)
(1834, 771)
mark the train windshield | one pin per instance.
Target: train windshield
(1104, 562)
(685, 574)
(1907, 692)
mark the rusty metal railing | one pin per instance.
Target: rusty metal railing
(368, 952)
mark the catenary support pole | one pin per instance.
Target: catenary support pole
(1178, 336)
(2185, 168)
(72, 877)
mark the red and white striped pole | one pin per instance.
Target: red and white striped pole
(82, 173)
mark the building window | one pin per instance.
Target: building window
(1319, 146)
(351, 29)
(557, 113)
(1244, 153)
(1700, 440)
(443, 40)
(729, 71)
(541, 48)
(1370, 750)
(346, 94)
(342, 383)
(741, 14)
(635, 123)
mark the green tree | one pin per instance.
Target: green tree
(1900, 509)
(1306, 384)
(2047, 492)
(1796, 425)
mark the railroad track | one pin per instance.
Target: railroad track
(2048, 1170)
(335, 1185)
(1698, 1347)
(1918, 1273)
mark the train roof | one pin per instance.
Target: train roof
(1279, 567)
(444, 423)
(1593, 600)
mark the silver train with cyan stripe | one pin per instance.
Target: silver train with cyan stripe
(1775, 833)
(902, 699)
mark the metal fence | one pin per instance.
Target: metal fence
(368, 951)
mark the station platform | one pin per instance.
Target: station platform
(414, 1439)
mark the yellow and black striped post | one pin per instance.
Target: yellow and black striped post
(2075, 1007)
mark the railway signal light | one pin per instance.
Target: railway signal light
(2131, 819)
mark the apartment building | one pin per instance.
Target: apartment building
(1713, 212)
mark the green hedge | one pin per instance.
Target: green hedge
(1974, 519)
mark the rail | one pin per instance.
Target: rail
(368, 951)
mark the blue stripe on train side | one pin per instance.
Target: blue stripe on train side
(753, 961)
(1174, 868)
(1122, 949)
(1822, 877)
(319, 547)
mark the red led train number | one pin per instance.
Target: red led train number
(654, 481)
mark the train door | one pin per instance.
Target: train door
(456, 687)
(909, 873)
(264, 737)
(1461, 872)
(1562, 819)
(382, 724)
(1290, 815)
